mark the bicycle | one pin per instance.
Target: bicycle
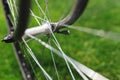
(19, 35)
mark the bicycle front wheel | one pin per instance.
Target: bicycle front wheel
(46, 13)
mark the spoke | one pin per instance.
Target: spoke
(47, 11)
(11, 6)
(54, 63)
(37, 62)
(59, 47)
(37, 17)
(80, 68)
(40, 8)
(15, 7)
(30, 62)
(59, 54)
(63, 54)
(66, 10)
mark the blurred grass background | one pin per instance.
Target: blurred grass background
(100, 54)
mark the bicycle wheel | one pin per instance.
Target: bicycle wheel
(41, 11)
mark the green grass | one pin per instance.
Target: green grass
(100, 54)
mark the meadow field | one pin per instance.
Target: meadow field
(101, 54)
